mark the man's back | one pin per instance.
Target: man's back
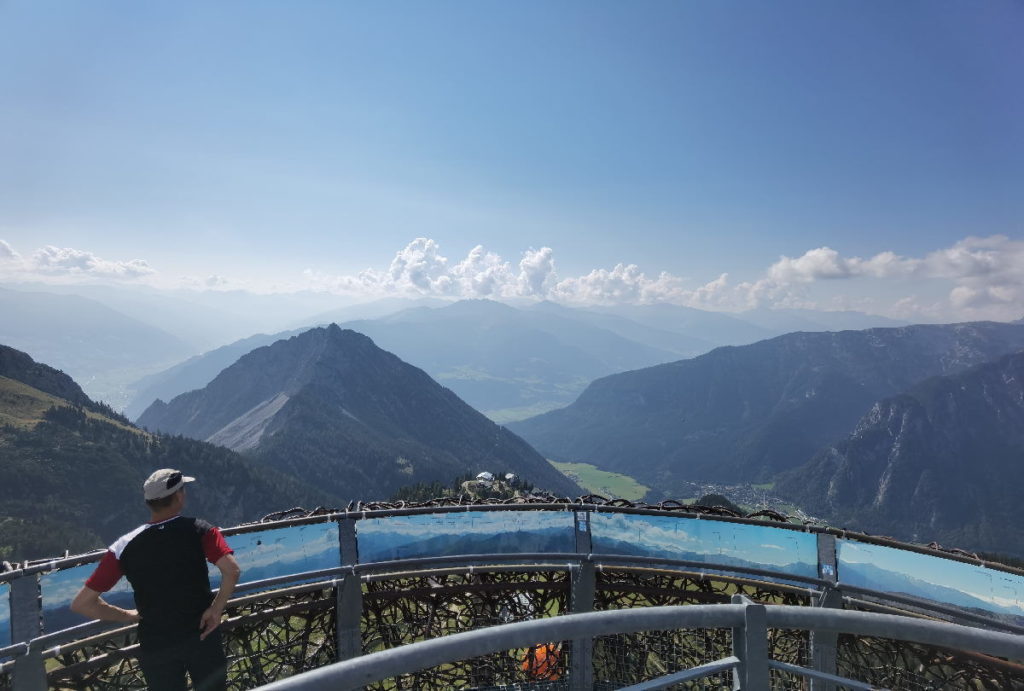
(165, 562)
(166, 566)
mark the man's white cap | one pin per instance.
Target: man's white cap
(164, 483)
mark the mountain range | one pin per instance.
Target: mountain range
(329, 406)
(750, 412)
(911, 431)
(504, 361)
(942, 461)
(508, 362)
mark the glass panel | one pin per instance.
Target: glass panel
(971, 587)
(5, 615)
(474, 532)
(283, 551)
(708, 542)
(59, 589)
(261, 555)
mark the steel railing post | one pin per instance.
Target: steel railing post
(348, 595)
(750, 646)
(584, 584)
(824, 643)
(26, 624)
(349, 603)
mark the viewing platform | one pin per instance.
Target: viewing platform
(556, 594)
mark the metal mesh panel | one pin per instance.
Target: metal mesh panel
(626, 659)
(790, 646)
(631, 658)
(908, 666)
(102, 663)
(6, 683)
(403, 610)
(512, 670)
(281, 636)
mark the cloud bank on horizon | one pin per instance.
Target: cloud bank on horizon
(975, 278)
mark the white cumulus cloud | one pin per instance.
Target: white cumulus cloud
(50, 263)
(420, 267)
(66, 260)
(985, 278)
(7, 253)
(482, 274)
(986, 275)
(536, 273)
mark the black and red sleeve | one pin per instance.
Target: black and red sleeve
(108, 572)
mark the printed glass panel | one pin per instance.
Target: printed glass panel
(707, 542)
(444, 534)
(59, 589)
(283, 551)
(5, 615)
(971, 587)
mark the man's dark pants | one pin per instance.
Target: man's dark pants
(204, 661)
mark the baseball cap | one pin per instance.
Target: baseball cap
(164, 483)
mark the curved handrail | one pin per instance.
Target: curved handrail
(569, 560)
(360, 671)
(564, 560)
(43, 566)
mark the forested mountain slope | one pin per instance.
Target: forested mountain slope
(943, 461)
(71, 474)
(742, 414)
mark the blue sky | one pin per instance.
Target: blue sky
(286, 146)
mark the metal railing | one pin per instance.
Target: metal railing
(750, 662)
(34, 651)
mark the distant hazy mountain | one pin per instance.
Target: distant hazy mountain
(202, 318)
(499, 359)
(745, 413)
(99, 347)
(71, 470)
(332, 408)
(944, 461)
(682, 342)
(368, 310)
(788, 320)
(718, 328)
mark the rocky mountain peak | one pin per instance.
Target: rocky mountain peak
(329, 404)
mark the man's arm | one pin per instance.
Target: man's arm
(230, 572)
(89, 604)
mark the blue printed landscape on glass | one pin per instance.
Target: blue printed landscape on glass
(445, 534)
(284, 551)
(5, 615)
(898, 571)
(707, 542)
(59, 589)
(262, 555)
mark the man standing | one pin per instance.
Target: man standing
(165, 562)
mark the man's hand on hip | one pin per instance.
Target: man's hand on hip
(210, 621)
